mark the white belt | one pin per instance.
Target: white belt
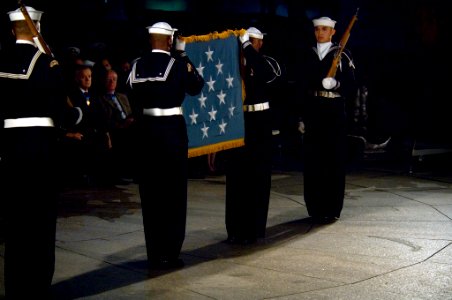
(326, 94)
(159, 112)
(28, 122)
(256, 107)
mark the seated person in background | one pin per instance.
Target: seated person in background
(85, 145)
(120, 122)
(99, 71)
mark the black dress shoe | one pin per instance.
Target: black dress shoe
(166, 264)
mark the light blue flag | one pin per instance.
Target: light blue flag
(214, 118)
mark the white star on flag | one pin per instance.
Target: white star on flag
(219, 67)
(204, 130)
(210, 83)
(230, 80)
(193, 117)
(231, 110)
(202, 100)
(200, 69)
(222, 126)
(212, 114)
(221, 97)
(209, 54)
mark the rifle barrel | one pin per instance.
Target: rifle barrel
(342, 43)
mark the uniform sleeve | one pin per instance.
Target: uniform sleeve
(65, 115)
(194, 81)
(348, 84)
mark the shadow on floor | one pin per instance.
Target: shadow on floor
(111, 277)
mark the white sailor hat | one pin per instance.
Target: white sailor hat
(17, 15)
(324, 21)
(161, 28)
(255, 33)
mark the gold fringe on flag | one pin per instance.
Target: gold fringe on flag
(208, 149)
(212, 36)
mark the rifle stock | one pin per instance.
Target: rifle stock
(342, 43)
(37, 37)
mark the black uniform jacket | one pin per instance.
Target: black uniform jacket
(258, 72)
(313, 70)
(159, 80)
(34, 84)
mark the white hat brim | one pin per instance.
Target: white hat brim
(17, 15)
(324, 22)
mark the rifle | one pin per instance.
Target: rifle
(342, 43)
(37, 37)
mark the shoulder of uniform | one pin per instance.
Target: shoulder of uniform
(53, 63)
(347, 53)
(135, 61)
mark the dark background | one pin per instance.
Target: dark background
(399, 47)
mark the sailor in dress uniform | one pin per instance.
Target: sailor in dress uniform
(31, 118)
(159, 81)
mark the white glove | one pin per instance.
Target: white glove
(244, 38)
(180, 45)
(301, 127)
(329, 83)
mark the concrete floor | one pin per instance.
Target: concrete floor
(393, 241)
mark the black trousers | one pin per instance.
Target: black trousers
(162, 179)
(29, 201)
(248, 179)
(324, 157)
